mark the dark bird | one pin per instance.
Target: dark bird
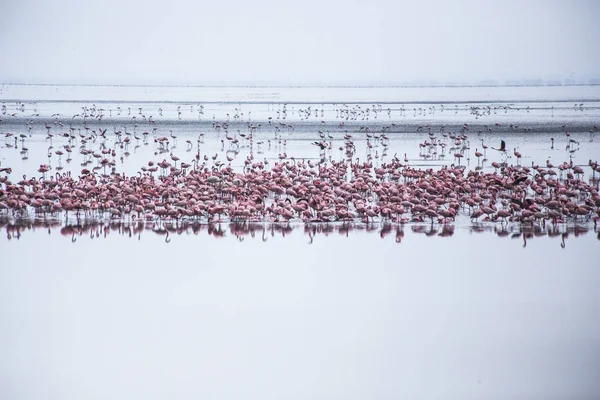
(520, 179)
(502, 147)
(322, 145)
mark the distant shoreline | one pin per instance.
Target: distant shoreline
(301, 94)
(305, 86)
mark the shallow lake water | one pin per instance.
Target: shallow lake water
(348, 316)
(125, 309)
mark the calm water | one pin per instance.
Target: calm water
(105, 309)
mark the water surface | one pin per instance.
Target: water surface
(125, 309)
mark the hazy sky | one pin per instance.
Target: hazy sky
(301, 42)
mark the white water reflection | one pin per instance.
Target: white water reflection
(346, 317)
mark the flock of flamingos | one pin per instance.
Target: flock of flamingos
(258, 196)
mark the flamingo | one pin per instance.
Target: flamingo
(502, 147)
(478, 155)
(484, 146)
(518, 155)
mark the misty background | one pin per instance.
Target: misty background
(310, 42)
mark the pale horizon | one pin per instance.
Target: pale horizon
(316, 43)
